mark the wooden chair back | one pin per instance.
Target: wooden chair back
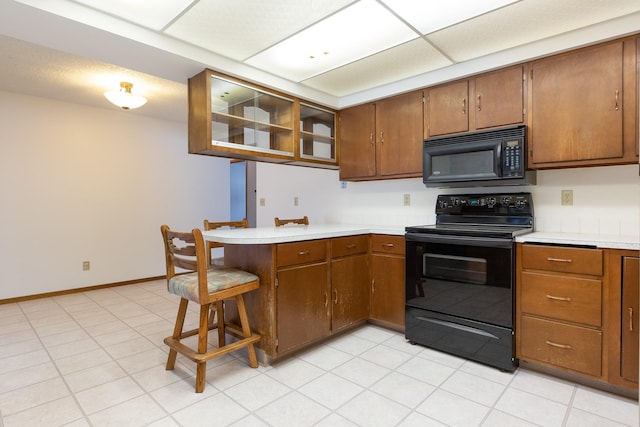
(279, 222)
(211, 225)
(187, 251)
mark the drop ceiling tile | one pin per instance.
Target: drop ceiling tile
(430, 16)
(241, 28)
(401, 62)
(154, 14)
(356, 32)
(522, 23)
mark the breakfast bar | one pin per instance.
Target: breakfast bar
(314, 280)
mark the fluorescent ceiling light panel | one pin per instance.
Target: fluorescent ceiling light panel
(432, 15)
(358, 31)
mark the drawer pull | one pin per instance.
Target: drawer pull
(351, 246)
(556, 345)
(335, 296)
(551, 297)
(387, 245)
(560, 260)
(630, 319)
(302, 253)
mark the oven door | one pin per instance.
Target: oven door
(459, 296)
(467, 277)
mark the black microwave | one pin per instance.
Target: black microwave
(487, 158)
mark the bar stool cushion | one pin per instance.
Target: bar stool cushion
(186, 285)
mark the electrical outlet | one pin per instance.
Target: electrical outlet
(86, 266)
(262, 201)
(295, 201)
(407, 199)
(567, 198)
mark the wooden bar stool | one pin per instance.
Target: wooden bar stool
(207, 287)
(210, 225)
(279, 222)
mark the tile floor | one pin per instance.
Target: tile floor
(97, 358)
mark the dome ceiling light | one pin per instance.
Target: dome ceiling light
(124, 98)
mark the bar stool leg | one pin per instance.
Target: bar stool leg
(246, 331)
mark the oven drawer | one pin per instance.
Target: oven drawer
(573, 347)
(482, 342)
(387, 244)
(304, 252)
(349, 245)
(561, 297)
(562, 259)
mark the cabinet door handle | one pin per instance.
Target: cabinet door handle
(567, 299)
(371, 138)
(464, 105)
(302, 253)
(479, 108)
(326, 299)
(617, 97)
(630, 319)
(556, 345)
(381, 138)
(560, 260)
(335, 296)
(373, 286)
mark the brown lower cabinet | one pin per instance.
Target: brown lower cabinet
(577, 312)
(623, 363)
(308, 290)
(387, 280)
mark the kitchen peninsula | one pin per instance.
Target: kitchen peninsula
(315, 280)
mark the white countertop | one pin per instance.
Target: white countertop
(599, 240)
(294, 233)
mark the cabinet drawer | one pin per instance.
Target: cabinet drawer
(565, 298)
(387, 244)
(571, 347)
(349, 245)
(562, 259)
(301, 252)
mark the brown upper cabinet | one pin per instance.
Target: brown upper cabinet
(235, 119)
(583, 107)
(488, 100)
(382, 139)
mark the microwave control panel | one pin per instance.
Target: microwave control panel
(512, 161)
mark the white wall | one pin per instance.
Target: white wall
(606, 199)
(80, 183)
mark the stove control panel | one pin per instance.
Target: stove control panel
(484, 204)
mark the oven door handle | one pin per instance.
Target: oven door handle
(489, 242)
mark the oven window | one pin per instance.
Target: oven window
(457, 268)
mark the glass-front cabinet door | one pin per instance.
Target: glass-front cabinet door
(236, 119)
(317, 133)
(250, 118)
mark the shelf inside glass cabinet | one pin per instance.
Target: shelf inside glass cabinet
(317, 133)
